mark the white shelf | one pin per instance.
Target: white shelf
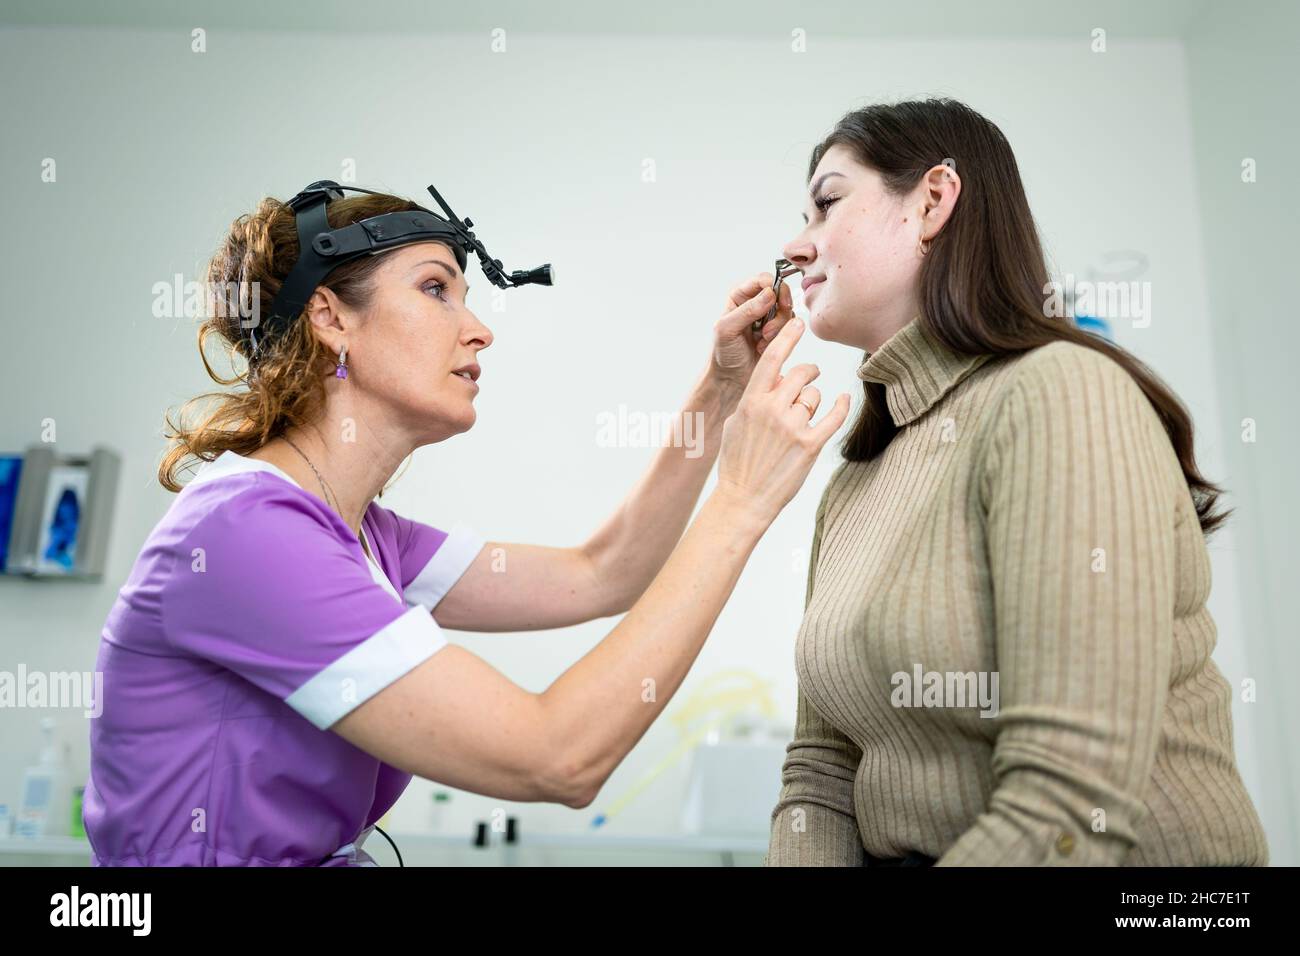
(685, 842)
(46, 846)
(57, 846)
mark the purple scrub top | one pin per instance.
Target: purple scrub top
(251, 622)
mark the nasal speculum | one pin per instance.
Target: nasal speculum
(784, 268)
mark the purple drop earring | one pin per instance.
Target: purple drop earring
(341, 371)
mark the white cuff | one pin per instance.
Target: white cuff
(368, 668)
(444, 569)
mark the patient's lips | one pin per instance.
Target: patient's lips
(810, 285)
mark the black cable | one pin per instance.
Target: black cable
(394, 845)
(390, 843)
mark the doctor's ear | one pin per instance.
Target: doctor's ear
(326, 311)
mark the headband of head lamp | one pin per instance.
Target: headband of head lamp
(322, 250)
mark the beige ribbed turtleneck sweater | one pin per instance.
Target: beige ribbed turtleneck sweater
(1029, 521)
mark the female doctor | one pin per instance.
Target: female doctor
(274, 667)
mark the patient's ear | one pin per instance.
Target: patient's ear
(939, 189)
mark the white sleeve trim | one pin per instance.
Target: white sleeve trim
(446, 566)
(368, 668)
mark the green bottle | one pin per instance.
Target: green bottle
(77, 827)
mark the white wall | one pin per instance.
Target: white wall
(1242, 88)
(158, 149)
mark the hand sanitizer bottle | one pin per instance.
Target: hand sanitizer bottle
(44, 810)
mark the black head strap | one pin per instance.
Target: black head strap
(322, 250)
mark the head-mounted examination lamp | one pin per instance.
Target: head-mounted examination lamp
(322, 249)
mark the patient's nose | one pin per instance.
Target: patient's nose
(801, 252)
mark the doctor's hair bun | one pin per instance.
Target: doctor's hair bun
(286, 385)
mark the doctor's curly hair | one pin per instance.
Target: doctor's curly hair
(286, 385)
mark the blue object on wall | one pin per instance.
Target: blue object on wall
(1095, 325)
(11, 466)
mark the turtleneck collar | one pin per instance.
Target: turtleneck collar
(916, 371)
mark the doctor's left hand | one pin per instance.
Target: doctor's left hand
(735, 348)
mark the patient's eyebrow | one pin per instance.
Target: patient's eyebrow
(818, 185)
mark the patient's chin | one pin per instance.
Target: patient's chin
(824, 327)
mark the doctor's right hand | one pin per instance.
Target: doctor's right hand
(769, 443)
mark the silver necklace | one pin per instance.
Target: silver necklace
(325, 486)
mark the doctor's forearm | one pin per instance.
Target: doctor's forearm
(600, 707)
(632, 545)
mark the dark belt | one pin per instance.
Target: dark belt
(911, 859)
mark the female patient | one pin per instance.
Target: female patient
(1005, 652)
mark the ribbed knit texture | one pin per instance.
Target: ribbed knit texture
(1030, 518)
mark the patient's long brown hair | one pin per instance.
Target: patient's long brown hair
(983, 281)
